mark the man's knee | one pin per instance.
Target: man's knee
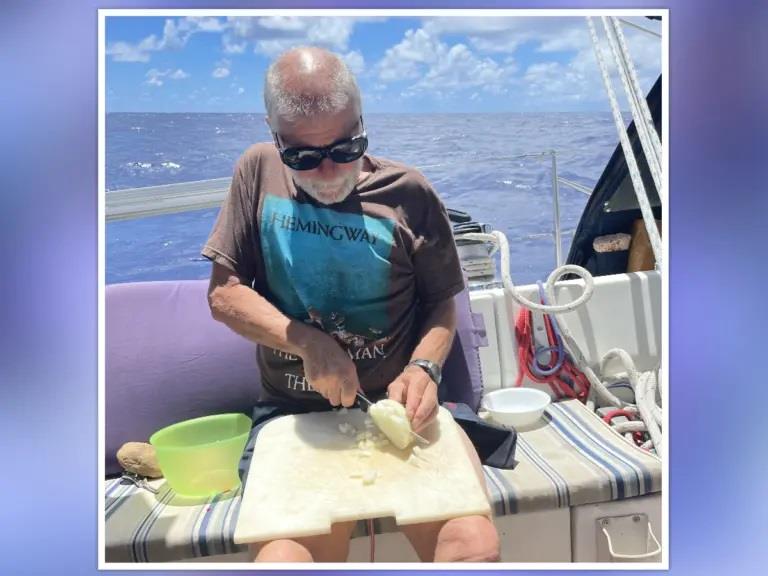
(281, 551)
(470, 539)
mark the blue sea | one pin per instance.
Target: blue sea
(471, 159)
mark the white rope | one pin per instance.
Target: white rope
(649, 382)
(651, 148)
(498, 239)
(630, 426)
(656, 141)
(646, 404)
(644, 385)
(597, 388)
(634, 171)
(648, 445)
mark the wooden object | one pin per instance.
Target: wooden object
(640, 251)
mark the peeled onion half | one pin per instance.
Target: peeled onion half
(389, 416)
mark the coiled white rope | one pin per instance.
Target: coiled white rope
(502, 245)
(645, 393)
(645, 387)
(596, 385)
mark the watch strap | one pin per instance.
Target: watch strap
(429, 367)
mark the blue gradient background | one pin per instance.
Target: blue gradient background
(48, 351)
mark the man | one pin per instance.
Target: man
(342, 267)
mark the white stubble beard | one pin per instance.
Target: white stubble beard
(342, 187)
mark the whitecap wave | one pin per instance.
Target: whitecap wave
(150, 166)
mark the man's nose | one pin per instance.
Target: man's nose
(327, 167)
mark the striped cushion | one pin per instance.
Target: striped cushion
(573, 459)
(144, 527)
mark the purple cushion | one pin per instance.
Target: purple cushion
(167, 360)
(462, 377)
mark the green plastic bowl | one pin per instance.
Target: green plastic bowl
(200, 457)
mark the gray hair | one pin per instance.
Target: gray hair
(306, 81)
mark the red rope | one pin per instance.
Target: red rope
(637, 436)
(560, 381)
(568, 382)
(372, 549)
(614, 413)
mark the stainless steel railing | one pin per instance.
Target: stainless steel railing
(200, 194)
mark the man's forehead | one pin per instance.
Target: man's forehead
(317, 129)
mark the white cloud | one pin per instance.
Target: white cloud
(276, 35)
(155, 77)
(407, 59)
(283, 23)
(580, 78)
(506, 34)
(126, 52)
(441, 68)
(460, 68)
(485, 59)
(232, 46)
(331, 32)
(222, 69)
(208, 24)
(267, 35)
(176, 34)
(272, 35)
(546, 34)
(355, 61)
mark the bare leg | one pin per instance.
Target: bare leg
(333, 547)
(466, 539)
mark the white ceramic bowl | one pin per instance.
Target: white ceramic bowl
(518, 407)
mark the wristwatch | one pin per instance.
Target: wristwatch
(429, 367)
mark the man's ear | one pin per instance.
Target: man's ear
(271, 131)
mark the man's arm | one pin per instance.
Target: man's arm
(413, 387)
(326, 365)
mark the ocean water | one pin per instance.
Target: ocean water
(473, 161)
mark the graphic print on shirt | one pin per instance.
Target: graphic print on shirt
(330, 269)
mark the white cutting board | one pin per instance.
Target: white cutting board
(299, 481)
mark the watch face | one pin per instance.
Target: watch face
(431, 368)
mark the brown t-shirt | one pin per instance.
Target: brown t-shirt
(357, 270)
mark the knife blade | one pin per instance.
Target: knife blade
(365, 404)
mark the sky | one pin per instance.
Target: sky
(402, 64)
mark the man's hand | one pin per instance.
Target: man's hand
(330, 371)
(418, 392)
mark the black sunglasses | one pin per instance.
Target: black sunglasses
(309, 157)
